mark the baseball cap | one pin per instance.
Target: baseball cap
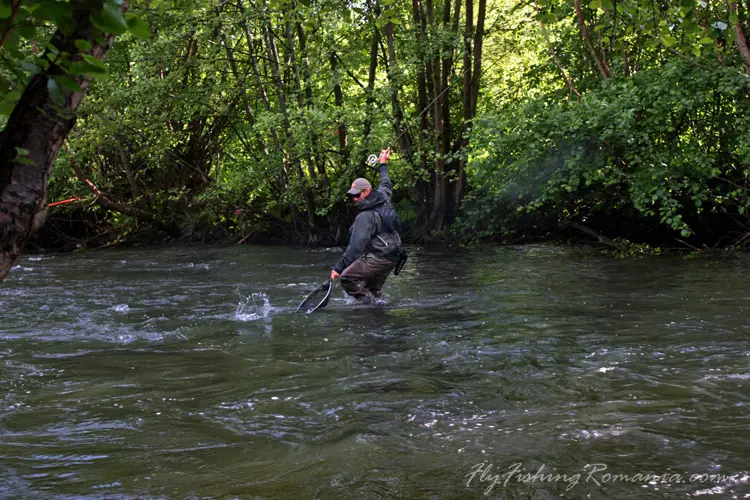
(359, 185)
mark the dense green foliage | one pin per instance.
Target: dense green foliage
(229, 120)
(659, 150)
(655, 148)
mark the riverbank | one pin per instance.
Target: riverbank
(75, 231)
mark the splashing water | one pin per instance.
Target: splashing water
(254, 307)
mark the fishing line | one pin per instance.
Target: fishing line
(372, 159)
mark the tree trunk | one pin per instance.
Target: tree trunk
(553, 53)
(243, 91)
(282, 179)
(319, 158)
(438, 199)
(40, 126)
(103, 200)
(472, 80)
(136, 193)
(370, 101)
(452, 165)
(256, 70)
(421, 189)
(478, 43)
(445, 81)
(424, 73)
(292, 58)
(273, 59)
(335, 218)
(467, 100)
(603, 69)
(339, 99)
(741, 38)
(404, 139)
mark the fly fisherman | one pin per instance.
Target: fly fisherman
(374, 243)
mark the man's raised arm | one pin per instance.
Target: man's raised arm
(385, 186)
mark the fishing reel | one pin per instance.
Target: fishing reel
(372, 160)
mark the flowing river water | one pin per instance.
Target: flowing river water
(530, 372)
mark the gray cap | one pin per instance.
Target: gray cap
(359, 185)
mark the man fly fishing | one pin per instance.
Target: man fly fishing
(374, 242)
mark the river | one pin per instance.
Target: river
(524, 372)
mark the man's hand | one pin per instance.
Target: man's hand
(334, 275)
(384, 155)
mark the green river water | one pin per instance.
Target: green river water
(531, 372)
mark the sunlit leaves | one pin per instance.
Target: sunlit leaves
(668, 40)
(138, 27)
(624, 28)
(110, 19)
(85, 68)
(83, 45)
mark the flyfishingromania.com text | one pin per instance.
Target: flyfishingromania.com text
(485, 474)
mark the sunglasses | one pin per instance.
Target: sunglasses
(354, 197)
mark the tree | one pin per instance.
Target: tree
(46, 108)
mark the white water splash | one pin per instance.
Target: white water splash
(254, 307)
(121, 308)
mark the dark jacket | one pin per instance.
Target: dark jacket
(367, 234)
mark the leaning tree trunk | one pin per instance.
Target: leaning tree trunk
(740, 37)
(39, 126)
(603, 69)
(553, 53)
